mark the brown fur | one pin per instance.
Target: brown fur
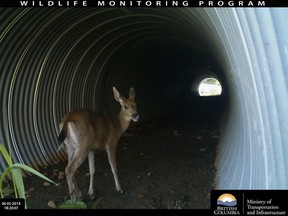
(84, 132)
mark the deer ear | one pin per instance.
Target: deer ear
(132, 93)
(117, 95)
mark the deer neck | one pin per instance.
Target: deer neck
(124, 121)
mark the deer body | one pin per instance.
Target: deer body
(84, 132)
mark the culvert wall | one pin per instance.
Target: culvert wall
(55, 59)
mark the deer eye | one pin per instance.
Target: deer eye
(126, 106)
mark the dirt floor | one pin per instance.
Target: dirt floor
(162, 164)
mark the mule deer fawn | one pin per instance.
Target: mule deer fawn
(84, 132)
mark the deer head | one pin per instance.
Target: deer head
(128, 106)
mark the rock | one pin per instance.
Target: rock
(61, 177)
(52, 204)
(61, 173)
(56, 171)
(31, 189)
(46, 184)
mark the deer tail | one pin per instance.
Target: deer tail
(63, 134)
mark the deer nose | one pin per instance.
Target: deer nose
(135, 117)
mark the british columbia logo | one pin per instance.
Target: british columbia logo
(227, 200)
(226, 205)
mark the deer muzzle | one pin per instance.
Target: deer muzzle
(135, 117)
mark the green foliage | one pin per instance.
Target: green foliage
(15, 170)
(78, 204)
(73, 204)
(96, 203)
(7, 191)
(212, 81)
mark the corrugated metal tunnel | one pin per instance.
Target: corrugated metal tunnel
(55, 59)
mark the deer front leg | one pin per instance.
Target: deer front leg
(91, 156)
(111, 151)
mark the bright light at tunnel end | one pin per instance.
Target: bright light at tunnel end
(209, 87)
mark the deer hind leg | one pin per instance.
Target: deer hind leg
(91, 160)
(75, 159)
(112, 161)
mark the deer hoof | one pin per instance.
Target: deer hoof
(91, 196)
(120, 191)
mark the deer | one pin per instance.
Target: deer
(84, 132)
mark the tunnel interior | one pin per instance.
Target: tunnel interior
(56, 59)
(80, 54)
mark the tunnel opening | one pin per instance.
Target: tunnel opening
(58, 59)
(209, 87)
